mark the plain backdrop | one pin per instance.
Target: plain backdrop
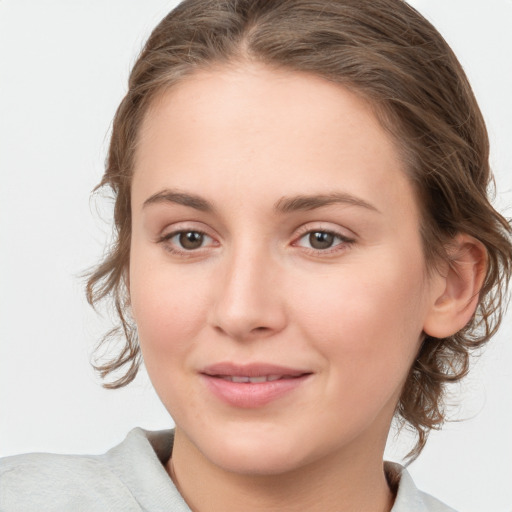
(63, 70)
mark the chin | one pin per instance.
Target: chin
(255, 460)
(261, 451)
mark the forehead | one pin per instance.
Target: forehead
(268, 129)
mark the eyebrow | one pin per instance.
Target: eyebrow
(185, 199)
(311, 202)
(284, 205)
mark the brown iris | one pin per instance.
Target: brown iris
(321, 240)
(191, 240)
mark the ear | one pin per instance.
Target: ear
(456, 292)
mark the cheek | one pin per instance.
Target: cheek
(367, 323)
(168, 309)
(169, 312)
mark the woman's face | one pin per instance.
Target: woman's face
(276, 271)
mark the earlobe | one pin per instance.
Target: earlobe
(455, 300)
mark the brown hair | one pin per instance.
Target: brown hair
(385, 51)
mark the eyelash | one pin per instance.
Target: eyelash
(343, 242)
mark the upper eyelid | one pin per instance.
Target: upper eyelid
(183, 226)
(174, 232)
(327, 227)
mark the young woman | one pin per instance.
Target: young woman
(305, 249)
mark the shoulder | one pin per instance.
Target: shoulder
(67, 482)
(408, 497)
(111, 481)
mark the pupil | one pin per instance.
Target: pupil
(321, 240)
(191, 240)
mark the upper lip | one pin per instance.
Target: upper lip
(251, 370)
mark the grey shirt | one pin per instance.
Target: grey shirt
(130, 478)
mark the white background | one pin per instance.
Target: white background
(63, 70)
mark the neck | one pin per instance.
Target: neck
(341, 482)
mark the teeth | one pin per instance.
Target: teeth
(235, 378)
(252, 380)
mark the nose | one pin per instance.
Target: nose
(249, 301)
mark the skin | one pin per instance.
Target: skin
(245, 139)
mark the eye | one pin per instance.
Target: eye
(320, 240)
(186, 240)
(190, 240)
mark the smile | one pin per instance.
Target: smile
(251, 386)
(254, 380)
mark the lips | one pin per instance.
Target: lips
(252, 370)
(252, 380)
(253, 385)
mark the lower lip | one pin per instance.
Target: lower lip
(249, 395)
